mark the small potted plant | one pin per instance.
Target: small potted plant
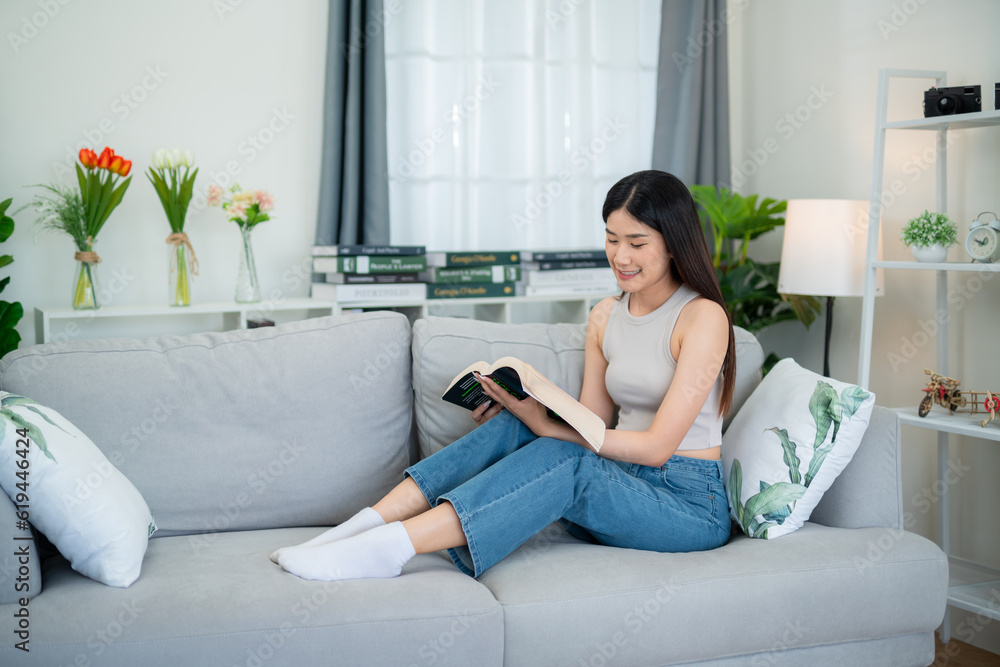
(929, 235)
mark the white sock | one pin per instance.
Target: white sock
(378, 553)
(364, 520)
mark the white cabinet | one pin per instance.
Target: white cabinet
(506, 309)
(972, 585)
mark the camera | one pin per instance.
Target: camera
(950, 101)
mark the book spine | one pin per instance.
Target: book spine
(562, 255)
(570, 276)
(571, 290)
(370, 278)
(465, 259)
(404, 292)
(476, 274)
(337, 250)
(370, 264)
(561, 264)
(469, 290)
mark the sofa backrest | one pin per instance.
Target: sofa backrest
(443, 346)
(299, 424)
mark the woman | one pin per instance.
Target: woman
(663, 352)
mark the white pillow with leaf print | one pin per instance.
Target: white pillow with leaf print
(787, 444)
(70, 491)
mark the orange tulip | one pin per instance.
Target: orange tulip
(104, 161)
(88, 158)
(116, 164)
(125, 168)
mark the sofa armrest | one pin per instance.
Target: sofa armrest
(869, 492)
(17, 579)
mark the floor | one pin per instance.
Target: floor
(959, 654)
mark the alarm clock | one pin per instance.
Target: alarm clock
(983, 241)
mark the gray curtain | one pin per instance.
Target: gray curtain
(691, 134)
(354, 187)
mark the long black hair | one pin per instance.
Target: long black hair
(660, 201)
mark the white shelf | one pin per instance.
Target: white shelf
(960, 423)
(973, 587)
(937, 266)
(962, 121)
(235, 315)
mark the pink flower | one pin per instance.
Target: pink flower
(264, 200)
(213, 195)
(237, 211)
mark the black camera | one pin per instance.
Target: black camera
(950, 101)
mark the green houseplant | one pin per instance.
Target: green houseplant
(750, 288)
(10, 313)
(929, 235)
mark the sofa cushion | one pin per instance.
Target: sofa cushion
(298, 424)
(570, 603)
(69, 491)
(443, 346)
(793, 437)
(228, 604)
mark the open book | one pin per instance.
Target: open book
(520, 380)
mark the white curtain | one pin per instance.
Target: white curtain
(509, 120)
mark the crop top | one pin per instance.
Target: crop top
(641, 368)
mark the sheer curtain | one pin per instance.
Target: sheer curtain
(508, 120)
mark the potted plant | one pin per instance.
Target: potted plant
(929, 235)
(749, 288)
(10, 313)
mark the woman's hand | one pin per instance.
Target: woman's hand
(529, 411)
(486, 411)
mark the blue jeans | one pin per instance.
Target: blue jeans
(506, 484)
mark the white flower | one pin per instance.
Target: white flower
(188, 158)
(160, 158)
(176, 157)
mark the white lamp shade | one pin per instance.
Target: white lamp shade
(823, 253)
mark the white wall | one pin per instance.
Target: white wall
(137, 76)
(784, 53)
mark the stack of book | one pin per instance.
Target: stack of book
(355, 273)
(472, 274)
(568, 272)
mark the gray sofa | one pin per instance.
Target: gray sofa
(269, 434)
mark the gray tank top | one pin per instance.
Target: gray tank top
(641, 368)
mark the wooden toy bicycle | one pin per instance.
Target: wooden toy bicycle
(944, 391)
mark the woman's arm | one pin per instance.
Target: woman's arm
(699, 343)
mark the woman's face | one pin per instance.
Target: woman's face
(637, 253)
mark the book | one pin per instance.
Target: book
(578, 253)
(520, 379)
(363, 249)
(348, 293)
(370, 264)
(473, 274)
(367, 278)
(570, 276)
(474, 258)
(560, 264)
(572, 290)
(469, 290)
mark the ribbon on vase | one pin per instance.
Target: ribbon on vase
(88, 256)
(178, 239)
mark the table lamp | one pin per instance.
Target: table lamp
(823, 253)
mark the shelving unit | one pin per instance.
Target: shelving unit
(506, 309)
(971, 584)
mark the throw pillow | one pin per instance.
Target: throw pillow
(61, 482)
(787, 444)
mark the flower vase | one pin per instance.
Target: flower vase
(85, 280)
(931, 253)
(180, 276)
(247, 287)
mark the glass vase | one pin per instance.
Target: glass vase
(180, 276)
(247, 287)
(85, 282)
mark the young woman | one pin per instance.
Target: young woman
(662, 352)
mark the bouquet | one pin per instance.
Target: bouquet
(82, 213)
(175, 189)
(247, 208)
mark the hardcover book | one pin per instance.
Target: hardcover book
(338, 250)
(561, 264)
(520, 379)
(474, 258)
(347, 293)
(368, 278)
(571, 276)
(370, 264)
(578, 253)
(469, 290)
(473, 274)
(572, 290)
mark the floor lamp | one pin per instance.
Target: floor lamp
(823, 254)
